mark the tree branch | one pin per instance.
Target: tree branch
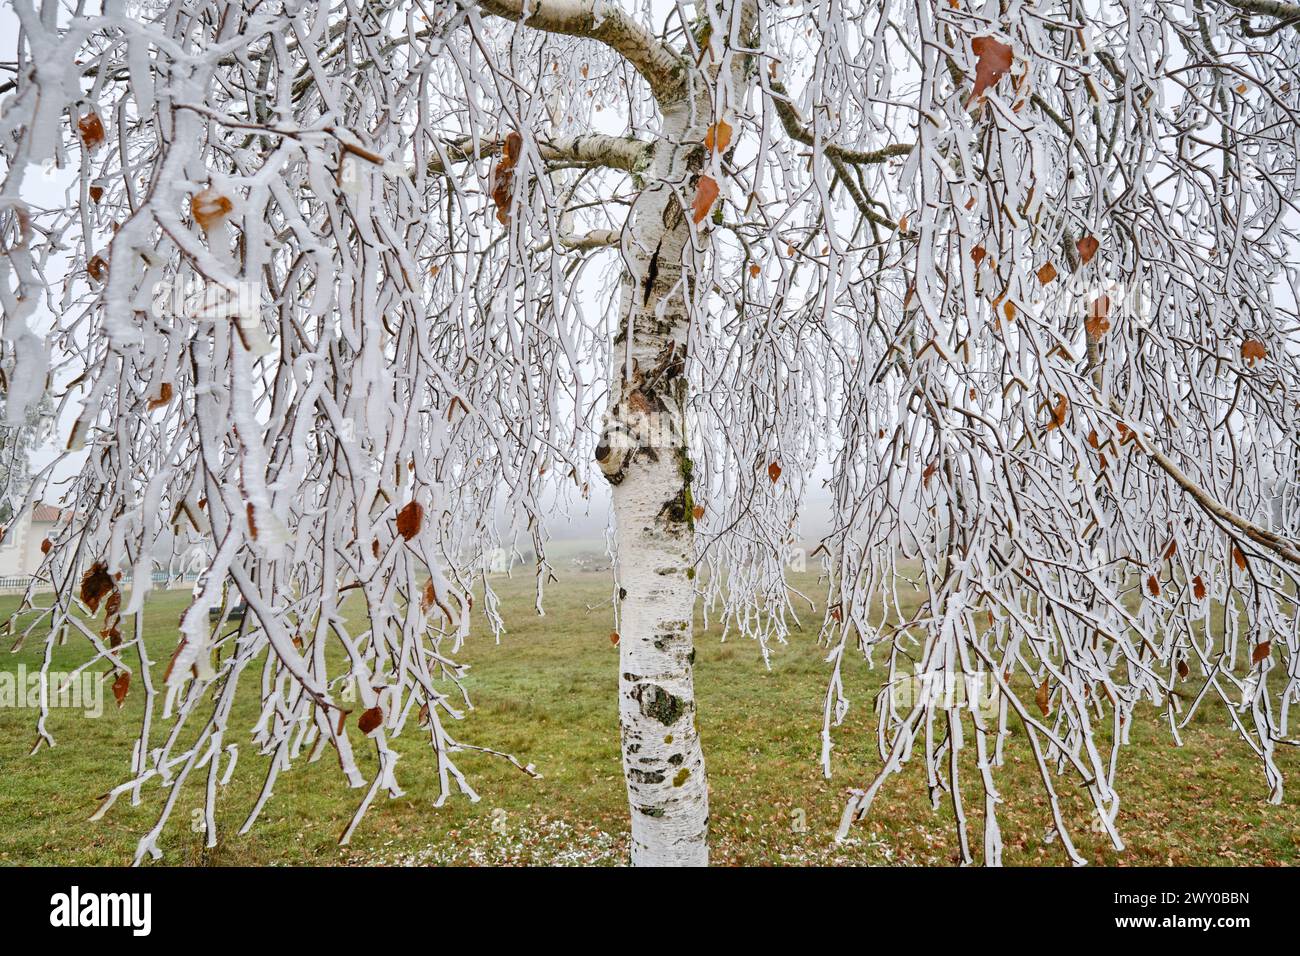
(662, 67)
(795, 129)
(594, 149)
(1288, 13)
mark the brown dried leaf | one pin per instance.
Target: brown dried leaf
(512, 148)
(91, 129)
(96, 268)
(1252, 350)
(1198, 588)
(698, 512)
(409, 520)
(370, 720)
(993, 59)
(120, 687)
(96, 583)
(1043, 698)
(1183, 669)
(46, 544)
(1261, 652)
(1098, 322)
(210, 208)
(1059, 412)
(614, 638)
(1239, 559)
(164, 396)
(706, 193)
(1153, 585)
(503, 175)
(1087, 247)
(774, 471)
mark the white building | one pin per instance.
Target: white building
(20, 555)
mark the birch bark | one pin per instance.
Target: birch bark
(644, 455)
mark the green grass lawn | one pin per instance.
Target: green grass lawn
(546, 693)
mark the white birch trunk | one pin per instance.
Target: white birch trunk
(645, 458)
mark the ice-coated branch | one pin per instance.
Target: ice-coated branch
(604, 21)
(795, 128)
(1287, 14)
(627, 153)
(322, 292)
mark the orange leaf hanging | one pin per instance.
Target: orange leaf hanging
(210, 208)
(706, 192)
(718, 137)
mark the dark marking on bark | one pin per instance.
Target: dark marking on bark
(651, 272)
(658, 704)
(651, 811)
(680, 508)
(622, 594)
(676, 760)
(646, 776)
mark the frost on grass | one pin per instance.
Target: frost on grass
(543, 842)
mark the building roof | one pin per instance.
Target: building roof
(46, 513)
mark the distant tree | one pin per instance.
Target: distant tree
(1022, 273)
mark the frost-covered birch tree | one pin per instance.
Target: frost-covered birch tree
(324, 291)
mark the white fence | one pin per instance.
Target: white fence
(18, 584)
